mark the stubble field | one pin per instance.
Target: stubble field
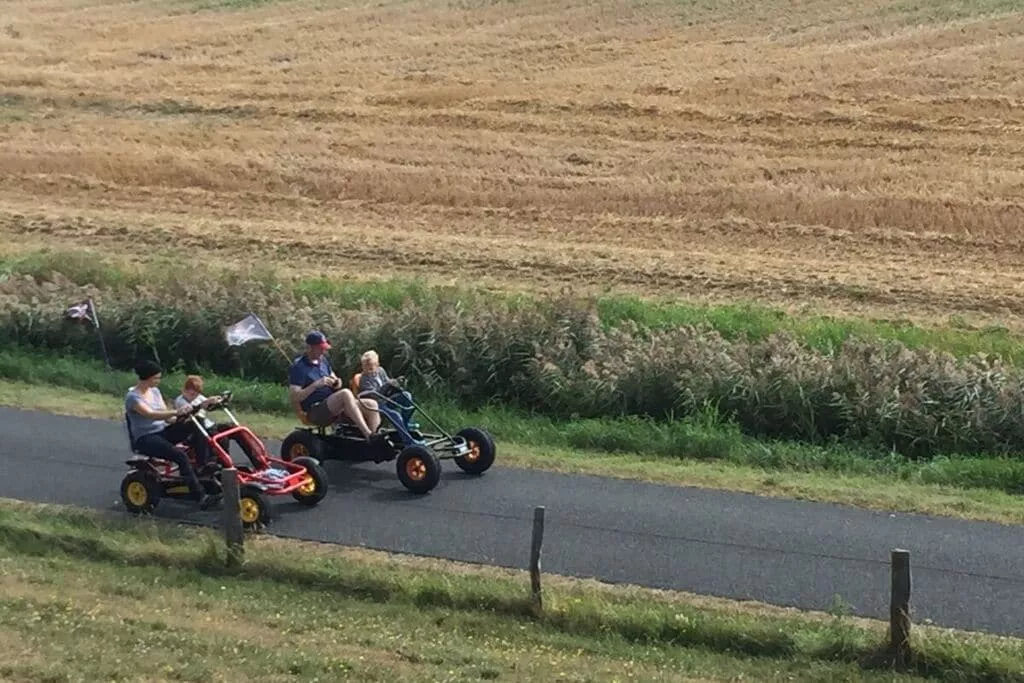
(859, 158)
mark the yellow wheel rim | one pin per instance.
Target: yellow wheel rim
(308, 488)
(474, 452)
(416, 469)
(137, 493)
(298, 450)
(250, 510)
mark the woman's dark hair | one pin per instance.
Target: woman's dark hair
(147, 368)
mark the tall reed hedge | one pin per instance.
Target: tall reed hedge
(556, 358)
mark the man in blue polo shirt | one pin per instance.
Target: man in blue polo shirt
(313, 385)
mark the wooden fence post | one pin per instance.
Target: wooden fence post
(535, 545)
(899, 608)
(232, 518)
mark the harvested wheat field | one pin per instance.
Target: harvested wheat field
(856, 157)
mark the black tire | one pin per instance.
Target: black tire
(253, 507)
(299, 444)
(140, 492)
(418, 468)
(320, 482)
(482, 458)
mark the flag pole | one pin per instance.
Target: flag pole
(287, 358)
(278, 345)
(99, 332)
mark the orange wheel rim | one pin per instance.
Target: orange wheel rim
(474, 452)
(416, 469)
(299, 450)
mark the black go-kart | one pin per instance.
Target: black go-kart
(417, 454)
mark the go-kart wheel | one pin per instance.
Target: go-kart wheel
(139, 492)
(253, 507)
(419, 470)
(315, 491)
(299, 444)
(481, 451)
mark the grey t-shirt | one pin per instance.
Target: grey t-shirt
(139, 424)
(373, 381)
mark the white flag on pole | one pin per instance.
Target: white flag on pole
(250, 328)
(82, 311)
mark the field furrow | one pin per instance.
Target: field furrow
(856, 158)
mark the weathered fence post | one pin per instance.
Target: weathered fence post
(232, 518)
(899, 608)
(535, 544)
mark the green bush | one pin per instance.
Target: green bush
(555, 357)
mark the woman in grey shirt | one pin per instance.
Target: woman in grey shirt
(152, 435)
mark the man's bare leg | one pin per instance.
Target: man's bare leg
(345, 402)
(369, 410)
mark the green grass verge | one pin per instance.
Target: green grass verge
(736, 321)
(100, 598)
(705, 454)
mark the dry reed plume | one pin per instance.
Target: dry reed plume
(558, 359)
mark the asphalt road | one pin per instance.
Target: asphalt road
(965, 574)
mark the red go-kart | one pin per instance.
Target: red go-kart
(151, 479)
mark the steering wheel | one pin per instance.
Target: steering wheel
(223, 398)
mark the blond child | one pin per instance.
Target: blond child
(375, 378)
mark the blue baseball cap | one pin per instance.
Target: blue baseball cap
(317, 338)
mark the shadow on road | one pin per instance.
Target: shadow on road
(348, 476)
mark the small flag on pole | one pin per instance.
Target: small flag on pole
(250, 328)
(82, 311)
(86, 311)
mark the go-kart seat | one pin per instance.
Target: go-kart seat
(131, 438)
(304, 419)
(301, 414)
